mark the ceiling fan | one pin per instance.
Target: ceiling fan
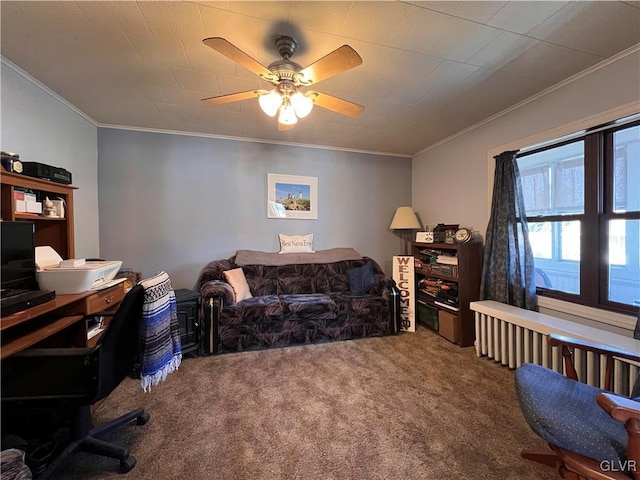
(289, 96)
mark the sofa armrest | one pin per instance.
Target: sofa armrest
(382, 286)
(218, 288)
(214, 295)
(386, 288)
(393, 297)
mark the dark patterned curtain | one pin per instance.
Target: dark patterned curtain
(508, 274)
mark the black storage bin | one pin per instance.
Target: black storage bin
(427, 315)
(187, 303)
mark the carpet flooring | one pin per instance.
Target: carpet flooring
(410, 406)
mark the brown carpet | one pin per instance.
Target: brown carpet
(411, 406)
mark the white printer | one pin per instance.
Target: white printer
(72, 276)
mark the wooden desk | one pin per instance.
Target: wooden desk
(59, 322)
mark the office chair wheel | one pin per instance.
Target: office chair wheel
(127, 464)
(142, 419)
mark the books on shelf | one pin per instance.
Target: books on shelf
(442, 269)
(92, 333)
(447, 306)
(447, 259)
(95, 326)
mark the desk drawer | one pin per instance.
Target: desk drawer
(105, 299)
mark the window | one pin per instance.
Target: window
(582, 198)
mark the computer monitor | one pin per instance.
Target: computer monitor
(18, 256)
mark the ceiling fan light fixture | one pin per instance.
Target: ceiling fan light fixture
(287, 115)
(301, 104)
(286, 77)
(270, 102)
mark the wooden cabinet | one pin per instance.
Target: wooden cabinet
(107, 300)
(444, 290)
(56, 232)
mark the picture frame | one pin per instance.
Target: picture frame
(292, 197)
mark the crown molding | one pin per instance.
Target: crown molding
(253, 140)
(75, 109)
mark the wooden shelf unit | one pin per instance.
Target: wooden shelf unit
(468, 281)
(60, 322)
(56, 232)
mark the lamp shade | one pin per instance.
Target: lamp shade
(287, 115)
(404, 219)
(301, 104)
(270, 102)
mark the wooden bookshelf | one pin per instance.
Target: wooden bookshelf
(55, 232)
(459, 325)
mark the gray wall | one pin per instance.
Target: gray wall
(39, 127)
(176, 202)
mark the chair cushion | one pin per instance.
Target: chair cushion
(565, 413)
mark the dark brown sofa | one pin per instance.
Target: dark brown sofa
(297, 299)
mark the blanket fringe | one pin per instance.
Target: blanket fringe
(147, 381)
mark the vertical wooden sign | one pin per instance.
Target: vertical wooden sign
(403, 274)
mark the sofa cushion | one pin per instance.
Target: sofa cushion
(238, 282)
(361, 279)
(318, 306)
(252, 310)
(354, 305)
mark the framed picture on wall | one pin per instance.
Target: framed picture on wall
(292, 196)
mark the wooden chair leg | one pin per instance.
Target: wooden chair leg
(545, 457)
(568, 474)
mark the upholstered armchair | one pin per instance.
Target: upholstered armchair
(592, 433)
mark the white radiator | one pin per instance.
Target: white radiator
(513, 336)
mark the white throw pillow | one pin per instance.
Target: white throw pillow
(296, 243)
(238, 282)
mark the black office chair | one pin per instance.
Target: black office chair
(76, 378)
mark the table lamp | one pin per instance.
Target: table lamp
(405, 219)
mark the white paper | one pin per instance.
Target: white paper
(46, 256)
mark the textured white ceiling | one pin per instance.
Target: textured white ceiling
(430, 69)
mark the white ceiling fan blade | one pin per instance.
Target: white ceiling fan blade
(232, 52)
(336, 104)
(231, 97)
(340, 60)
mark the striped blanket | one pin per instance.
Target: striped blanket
(159, 331)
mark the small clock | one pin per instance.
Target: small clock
(11, 162)
(464, 235)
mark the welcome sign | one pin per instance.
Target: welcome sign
(403, 274)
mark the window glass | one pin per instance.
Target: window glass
(624, 261)
(603, 167)
(556, 251)
(626, 170)
(541, 240)
(570, 241)
(553, 180)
